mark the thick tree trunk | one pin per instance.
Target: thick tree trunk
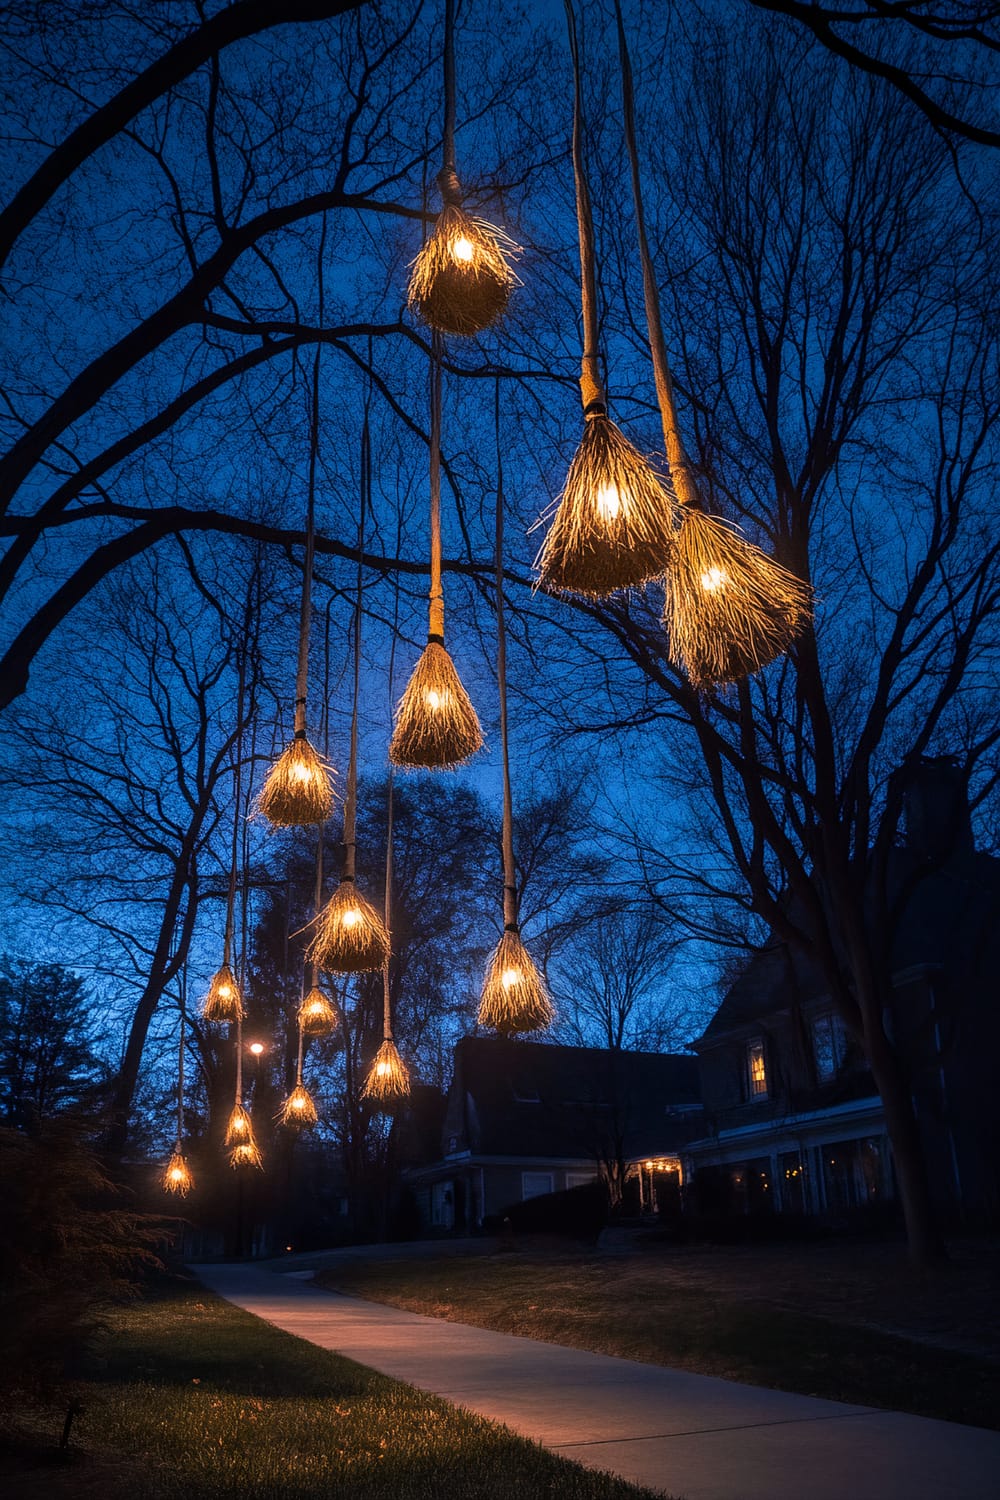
(923, 1235)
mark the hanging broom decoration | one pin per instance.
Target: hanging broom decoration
(461, 281)
(388, 1080)
(177, 1176)
(351, 937)
(224, 1000)
(729, 608)
(514, 997)
(436, 724)
(298, 790)
(298, 1111)
(614, 524)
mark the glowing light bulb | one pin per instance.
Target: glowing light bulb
(463, 250)
(256, 1048)
(351, 917)
(176, 1174)
(315, 1009)
(382, 1069)
(239, 1125)
(299, 1104)
(225, 992)
(510, 977)
(301, 773)
(435, 700)
(714, 579)
(609, 502)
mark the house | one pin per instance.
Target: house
(525, 1119)
(796, 1124)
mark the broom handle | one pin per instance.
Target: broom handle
(680, 468)
(435, 629)
(351, 799)
(180, 1081)
(305, 612)
(591, 389)
(451, 192)
(318, 894)
(241, 678)
(298, 1066)
(507, 837)
(386, 1007)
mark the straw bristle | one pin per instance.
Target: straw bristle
(298, 790)
(615, 523)
(388, 1078)
(246, 1154)
(350, 935)
(224, 1002)
(239, 1127)
(461, 281)
(514, 996)
(177, 1176)
(317, 1013)
(436, 724)
(298, 1110)
(729, 608)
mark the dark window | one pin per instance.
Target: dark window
(828, 1046)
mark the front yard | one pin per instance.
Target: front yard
(196, 1400)
(851, 1323)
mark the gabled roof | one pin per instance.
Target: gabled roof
(946, 915)
(539, 1099)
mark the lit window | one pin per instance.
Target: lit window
(756, 1071)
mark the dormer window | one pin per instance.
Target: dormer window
(756, 1070)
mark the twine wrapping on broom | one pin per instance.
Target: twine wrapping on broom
(351, 937)
(514, 997)
(436, 725)
(729, 609)
(614, 524)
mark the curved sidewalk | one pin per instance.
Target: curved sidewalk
(691, 1435)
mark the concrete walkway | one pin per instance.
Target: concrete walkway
(688, 1435)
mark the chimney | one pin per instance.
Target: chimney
(936, 809)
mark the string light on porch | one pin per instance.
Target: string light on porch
(729, 609)
(514, 996)
(614, 524)
(461, 281)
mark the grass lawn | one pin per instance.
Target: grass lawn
(198, 1400)
(701, 1311)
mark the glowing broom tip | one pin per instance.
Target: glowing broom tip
(436, 724)
(461, 281)
(388, 1080)
(298, 790)
(317, 1013)
(350, 937)
(514, 996)
(729, 609)
(177, 1177)
(298, 1110)
(614, 525)
(224, 1000)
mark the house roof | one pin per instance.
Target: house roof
(534, 1099)
(942, 925)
